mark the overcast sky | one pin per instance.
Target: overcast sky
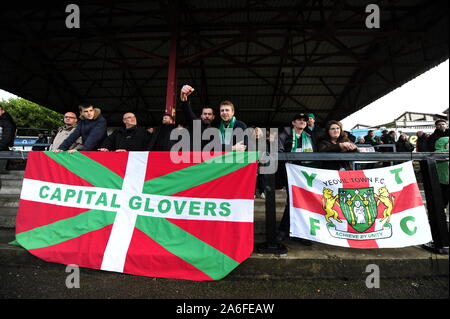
(428, 93)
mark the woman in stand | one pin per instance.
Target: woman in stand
(336, 141)
(403, 145)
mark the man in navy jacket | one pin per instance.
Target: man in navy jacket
(91, 128)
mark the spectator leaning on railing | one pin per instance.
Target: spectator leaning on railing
(130, 137)
(70, 123)
(335, 141)
(92, 129)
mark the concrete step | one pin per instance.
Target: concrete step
(10, 190)
(12, 183)
(318, 261)
(8, 217)
(12, 175)
(9, 200)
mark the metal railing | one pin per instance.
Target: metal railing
(23, 145)
(432, 188)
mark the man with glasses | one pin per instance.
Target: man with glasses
(70, 123)
(131, 137)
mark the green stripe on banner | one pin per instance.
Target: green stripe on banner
(199, 174)
(187, 247)
(88, 169)
(66, 229)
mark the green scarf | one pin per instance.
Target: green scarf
(226, 131)
(306, 142)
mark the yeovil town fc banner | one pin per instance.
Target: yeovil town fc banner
(138, 212)
(375, 208)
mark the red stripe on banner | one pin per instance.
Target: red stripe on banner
(85, 251)
(353, 179)
(34, 214)
(146, 257)
(409, 197)
(230, 186)
(214, 233)
(42, 168)
(405, 199)
(357, 179)
(114, 161)
(304, 199)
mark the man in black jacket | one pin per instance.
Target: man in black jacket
(7, 133)
(204, 122)
(91, 128)
(7, 130)
(440, 131)
(297, 138)
(160, 140)
(131, 137)
(228, 126)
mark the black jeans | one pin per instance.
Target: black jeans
(285, 223)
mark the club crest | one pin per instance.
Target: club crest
(359, 207)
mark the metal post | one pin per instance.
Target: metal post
(271, 246)
(435, 206)
(172, 19)
(171, 97)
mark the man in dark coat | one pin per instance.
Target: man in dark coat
(131, 137)
(160, 140)
(42, 139)
(91, 128)
(297, 138)
(204, 122)
(371, 139)
(440, 131)
(7, 134)
(7, 130)
(421, 144)
(314, 129)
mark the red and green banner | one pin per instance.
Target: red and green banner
(139, 212)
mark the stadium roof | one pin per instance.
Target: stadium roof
(270, 58)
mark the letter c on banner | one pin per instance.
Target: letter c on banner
(404, 226)
(41, 194)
